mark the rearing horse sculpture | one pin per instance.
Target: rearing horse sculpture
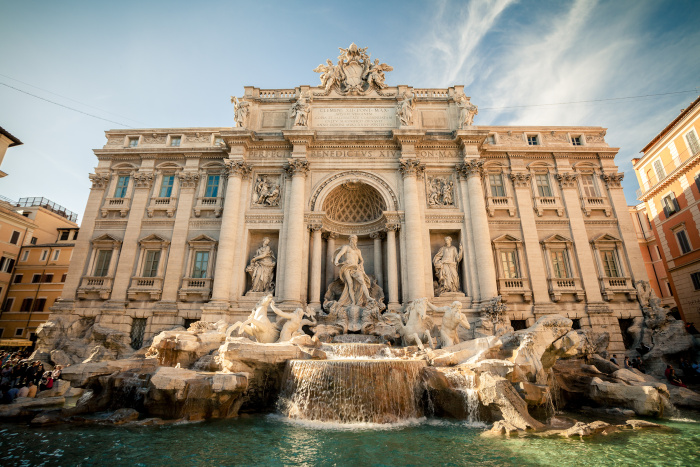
(258, 325)
(415, 329)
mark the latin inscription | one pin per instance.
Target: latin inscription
(354, 117)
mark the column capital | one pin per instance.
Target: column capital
(236, 168)
(99, 181)
(297, 167)
(188, 179)
(521, 179)
(392, 226)
(613, 180)
(377, 235)
(471, 168)
(315, 226)
(567, 179)
(411, 167)
(330, 235)
(143, 179)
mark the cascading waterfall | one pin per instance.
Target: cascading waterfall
(465, 385)
(352, 390)
(352, 350)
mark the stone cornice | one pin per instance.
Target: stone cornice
(684, 168)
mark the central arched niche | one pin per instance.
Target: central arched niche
(354, 202)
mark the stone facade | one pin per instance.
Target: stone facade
(175, 216)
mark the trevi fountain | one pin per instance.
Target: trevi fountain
(419, 376)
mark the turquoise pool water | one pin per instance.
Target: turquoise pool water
(272, 440)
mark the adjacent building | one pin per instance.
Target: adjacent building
(669, 177)
(37, 238)
(6, 141)
(178, 219)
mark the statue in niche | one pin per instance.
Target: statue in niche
(300, 111)
(440, 192)
(266, 192)
(451, 320)
(445, 262)
(240, 111)
(293, 322)
(467, 111)
(352, 273)
(404, 110)
(261, 268)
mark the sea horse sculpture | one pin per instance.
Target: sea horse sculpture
(414, 326)
(258, 325)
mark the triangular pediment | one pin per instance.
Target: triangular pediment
(556, 238)
(605, 238)
(154, 238)
(506, 238)
(202, 239)
(106, 240)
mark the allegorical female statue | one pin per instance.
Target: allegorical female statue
(445, 262)
(261, 268)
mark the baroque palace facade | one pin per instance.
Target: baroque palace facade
(198, 223)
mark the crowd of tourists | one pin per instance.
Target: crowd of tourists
(20, 377)
(690, 370)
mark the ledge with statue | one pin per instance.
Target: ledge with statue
(295, 364)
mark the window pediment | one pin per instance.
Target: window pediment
(606, 238)
(202, 241)
(556, 238)
(106, 240)
(506, 239)
(154, 240)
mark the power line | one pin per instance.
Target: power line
(71, 99)
(65, 106)
(588, 101)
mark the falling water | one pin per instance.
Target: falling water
(352, 390)
(465, 385)
(356, 350)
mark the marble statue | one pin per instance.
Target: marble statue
(293, 322)
(258, 325)
(300, 111)
(240, 111)
(415, 324)
(446, 261)
(467, 111)
(440, 192)
(330, 74)
(404, 110)
(266, 192)
(452, 318)
(352, 273)
(374, 73)
(355, 73)
(645, 293)
(261, 268)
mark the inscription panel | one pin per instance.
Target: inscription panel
(354, 117)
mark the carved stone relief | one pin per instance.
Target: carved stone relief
(266, 191)
(440, 191)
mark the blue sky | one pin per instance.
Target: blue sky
(175, 64)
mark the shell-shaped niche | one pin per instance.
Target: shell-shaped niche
(354, 202)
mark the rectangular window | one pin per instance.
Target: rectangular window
(509, 260)
(8, 304)
(65, 234)
(18, 278)
(543, 188)
(36, 278)
(47, 278)
(697, 181)
(39, 304)
(670, 291)
(33, 240)
(576, 141)
(532, 140)
(670, 204)
(212, 190)
(122, 185)
(491, 139)
(104, 257)
(166, 187)
(496, 182)
(133, 142)
(560, 264)
(6, 264)
(75, 235)
(175, 141)
(589, 187)
(683, 241)
(25, 255)
(19, 332)
(692, 138)
(150, 266)
(26, 304)
(63, 277)
(201, 263)
(44, 254)
(610, 263)
(695, 277)
(659, 169)
(56, 254)
(14, 238)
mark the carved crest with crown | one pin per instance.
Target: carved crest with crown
(354, 74)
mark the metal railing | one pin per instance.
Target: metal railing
(48, 204)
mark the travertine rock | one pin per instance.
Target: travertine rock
(60, 387)
(79, 375)
(464, 351)
(254, 353)
(535, 341)
(499, 394)
(644, 400)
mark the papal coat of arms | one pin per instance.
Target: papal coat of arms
(355, 73)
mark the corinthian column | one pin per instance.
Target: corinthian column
(316, 260)
(391, 267)
(295, 232)
(410, 169)
(236, 170)
(378, 273)
(330, 265)
(473, 171)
